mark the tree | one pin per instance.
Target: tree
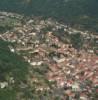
(76, 40)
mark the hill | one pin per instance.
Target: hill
(77, 13)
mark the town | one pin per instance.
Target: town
(40, 44)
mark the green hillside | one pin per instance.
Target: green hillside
(11, 66)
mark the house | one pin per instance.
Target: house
(75, 87)
(36, 63)
(11, 49)
(58, 60)
(83, 97)
(3, 85)
(33, 33)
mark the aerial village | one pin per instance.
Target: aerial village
(76, 71)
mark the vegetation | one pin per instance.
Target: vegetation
(11, 65)
(7, 94)
(76, 40)
(8, 24)
(77, 13)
